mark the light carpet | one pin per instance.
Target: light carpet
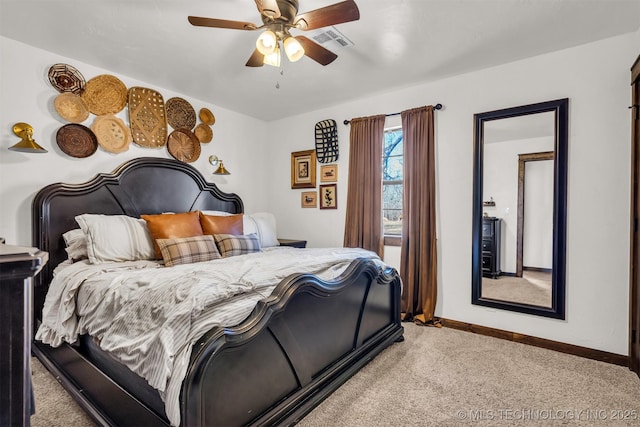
(532, 288)
(445, 377)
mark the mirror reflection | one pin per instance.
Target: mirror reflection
(519, 208)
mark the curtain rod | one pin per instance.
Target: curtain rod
(437, 107)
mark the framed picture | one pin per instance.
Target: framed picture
(329, 196)
(303, 169)
(328, 173)
(309, 199)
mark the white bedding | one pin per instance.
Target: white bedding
(149, 316)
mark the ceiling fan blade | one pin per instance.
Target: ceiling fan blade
(256, 59)
(338, 13)
(316, 52)
(269, 8)
(221, 23)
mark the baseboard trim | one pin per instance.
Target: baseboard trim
(576, 350)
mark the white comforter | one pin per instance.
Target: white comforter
(149, 316)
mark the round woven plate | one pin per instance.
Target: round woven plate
(66, 78)
(203, 132)
(71, 107)
(76, 140)
(113, 134)
(183, 145)
(105, 94)
(207, 116)
(180, 114)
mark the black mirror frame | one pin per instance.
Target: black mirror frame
(561, 109)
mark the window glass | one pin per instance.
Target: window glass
(392, 169)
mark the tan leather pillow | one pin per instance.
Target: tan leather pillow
(172, 226)
(228, 224)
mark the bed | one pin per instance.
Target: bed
(296, 346)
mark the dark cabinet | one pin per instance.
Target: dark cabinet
(17, 267)
(491, 247)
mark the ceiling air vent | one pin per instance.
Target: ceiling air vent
(330, 38)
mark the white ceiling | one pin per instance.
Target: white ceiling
(396, 44)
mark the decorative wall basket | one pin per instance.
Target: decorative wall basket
(105, 94)
(76, 140)
(71, 107)
(147, 117)
(180, 114)
(183, 145)
(65, 78)
(113, 134)
(203, 133)
(326, 141)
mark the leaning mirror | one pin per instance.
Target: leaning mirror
(519, 208)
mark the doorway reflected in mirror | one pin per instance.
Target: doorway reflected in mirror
(520, 208)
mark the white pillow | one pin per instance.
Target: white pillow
(265, 224)
(217, 213)
(76, 244)
(261, 223)
(116, 238)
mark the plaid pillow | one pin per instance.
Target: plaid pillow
(188, 250)
(230, 245)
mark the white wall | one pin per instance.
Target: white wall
(27, 96)
(595, 77)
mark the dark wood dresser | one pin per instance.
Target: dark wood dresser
(18, 265)
(491, 247)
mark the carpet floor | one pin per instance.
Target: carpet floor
(445, 377)
(532, 288)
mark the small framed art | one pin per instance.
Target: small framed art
(328, 173)
(309, 199)
(329, 196)
(303, 169)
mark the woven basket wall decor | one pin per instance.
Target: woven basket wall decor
(326, 141)
(147, 117)
(180, 114)
(183, 145)
(76, 140)
(203, 132)
(105, 94)
(113, 134)
(207, 116)
(65, 78)
(71, 107)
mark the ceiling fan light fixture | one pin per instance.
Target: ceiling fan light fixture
(267, 42)
(293, 49)
(273, 58)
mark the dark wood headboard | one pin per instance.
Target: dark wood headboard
(146, 185)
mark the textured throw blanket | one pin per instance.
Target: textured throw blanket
(149, 316)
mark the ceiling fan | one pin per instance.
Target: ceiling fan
(280, 16)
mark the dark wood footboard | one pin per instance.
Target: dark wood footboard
(295, 349)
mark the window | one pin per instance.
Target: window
(392, 159)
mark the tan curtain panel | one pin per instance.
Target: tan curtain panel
(363, 224)
(418, 259)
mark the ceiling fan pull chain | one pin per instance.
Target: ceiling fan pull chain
(281, 74)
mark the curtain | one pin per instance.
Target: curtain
(363, 224)
(418, 257)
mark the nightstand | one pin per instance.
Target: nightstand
(293, 243)
(18, 265)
